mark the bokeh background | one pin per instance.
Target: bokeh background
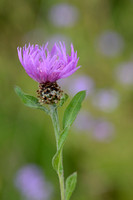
(100, 143)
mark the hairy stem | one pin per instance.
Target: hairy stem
(55, 120)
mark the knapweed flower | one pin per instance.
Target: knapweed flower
(46, 67)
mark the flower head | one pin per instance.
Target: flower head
(45, 66)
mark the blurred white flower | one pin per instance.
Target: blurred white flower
(64, 15)
(31, 183)
(124, 73)
(110, 43)
(106, 100)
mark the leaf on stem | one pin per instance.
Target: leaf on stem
(73, 109)
(70, 185)
(56, 161)
(69, 116)
(29, 101)
(61, 142)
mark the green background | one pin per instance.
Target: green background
(105, 169)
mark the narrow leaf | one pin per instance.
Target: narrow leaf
(61, 142)
(73, 109)
(62, 138)
(56, 162)
(29, 101)
(69, 116)
(70, 185)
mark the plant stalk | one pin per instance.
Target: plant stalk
(55, 121)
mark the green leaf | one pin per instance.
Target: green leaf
(73, 109)
(56, 162)
(69, 116)
(70, 185)
(62, 138)
(63, 99)
(29, 101)
(61, 142)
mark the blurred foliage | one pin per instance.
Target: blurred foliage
(105, 170)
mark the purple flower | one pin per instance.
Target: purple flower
(84, 121)
(63, 15)
(76, 83)
(110, 43)
(124, 73)
(31, 183)
(103, 130)
(106, 100)
(44, 66)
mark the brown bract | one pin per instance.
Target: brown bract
(49, 93)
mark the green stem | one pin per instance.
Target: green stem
(55, 120)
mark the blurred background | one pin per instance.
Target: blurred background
(100, 143)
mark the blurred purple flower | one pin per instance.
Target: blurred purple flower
(78, 83)
(84, 121)
(106, 100)
(63, 15)
(110, 43)
(31, 183)
(124, 73)
(103, 130)
(44, 66)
